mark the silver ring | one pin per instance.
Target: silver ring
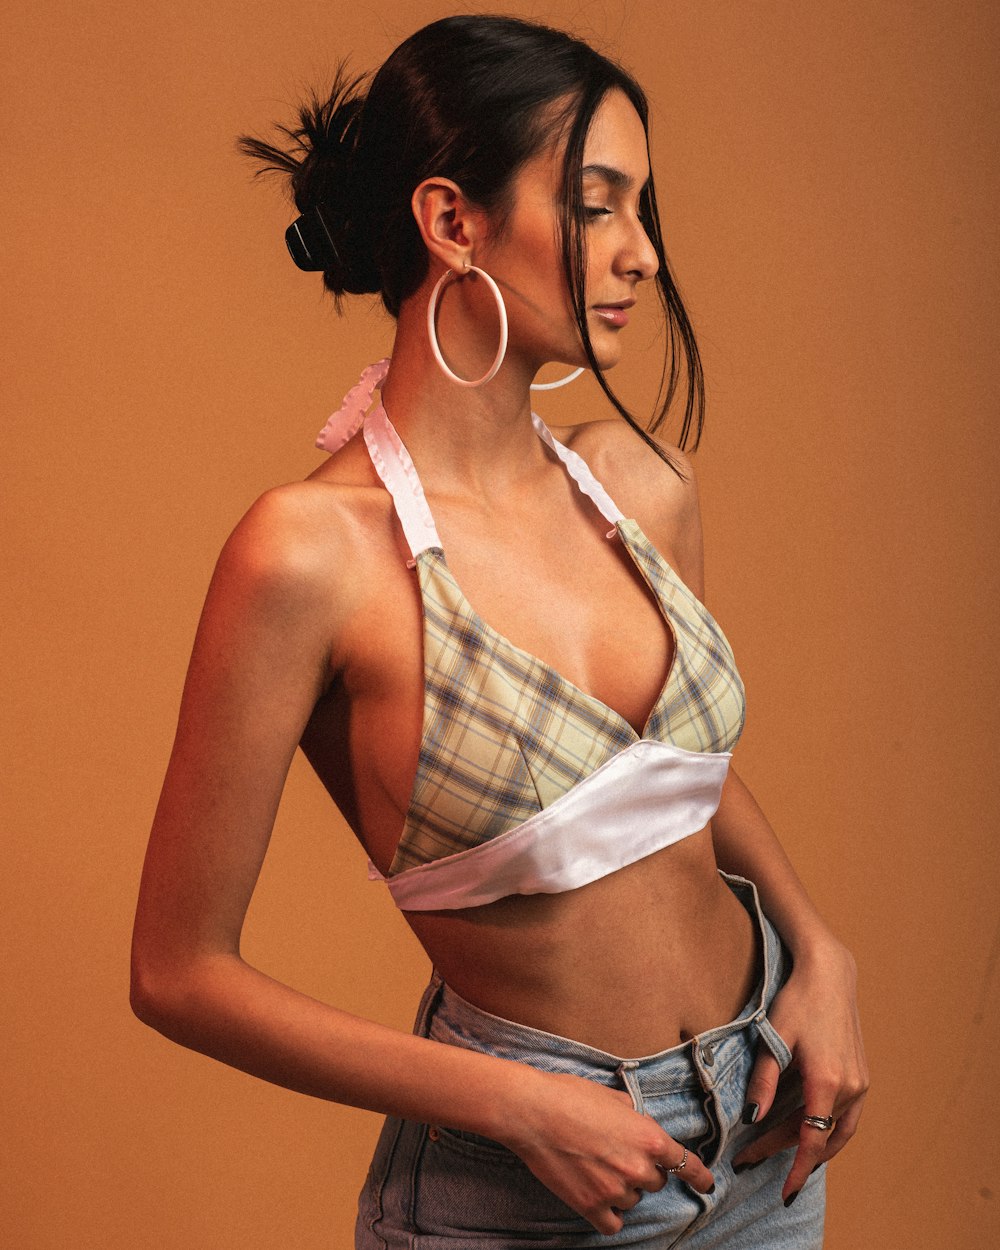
(680, 1166)
(823, 1122)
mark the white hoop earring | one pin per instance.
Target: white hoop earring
(442, 282)
(554, 386)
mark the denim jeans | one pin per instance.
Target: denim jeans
(435, 1188)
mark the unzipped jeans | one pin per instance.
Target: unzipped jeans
(435, 1188)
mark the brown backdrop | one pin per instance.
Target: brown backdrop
(829, 194)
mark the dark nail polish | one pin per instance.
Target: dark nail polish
(748, 1167)
(750, 1113)
(791, 1198)
(710, 1191)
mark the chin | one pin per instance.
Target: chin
(607, 347)
(607, 358)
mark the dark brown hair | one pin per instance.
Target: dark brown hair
(470, 99)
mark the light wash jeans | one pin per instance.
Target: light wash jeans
(434, 1188)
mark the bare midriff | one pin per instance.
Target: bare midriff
(631, 964)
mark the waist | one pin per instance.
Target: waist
(634, 963)
(448, 1017)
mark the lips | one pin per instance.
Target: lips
(614, 314)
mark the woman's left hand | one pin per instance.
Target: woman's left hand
(816, 1014)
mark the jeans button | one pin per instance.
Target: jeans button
(708, 1055)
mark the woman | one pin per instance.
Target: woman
(566, 802)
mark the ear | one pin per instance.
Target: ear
(449, 226)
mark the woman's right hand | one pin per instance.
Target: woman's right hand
(589, 1145)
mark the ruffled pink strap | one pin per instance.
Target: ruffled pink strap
(350, 416)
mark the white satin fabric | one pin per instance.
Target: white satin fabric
(647, 797)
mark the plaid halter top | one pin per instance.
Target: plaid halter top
(524, 782)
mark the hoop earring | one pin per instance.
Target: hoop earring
(442, 282)
(554, 386)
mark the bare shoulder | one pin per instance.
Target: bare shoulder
(280, 539)
(663, 498)
(306, 547)
(621, 460)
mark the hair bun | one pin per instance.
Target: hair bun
(318, 161)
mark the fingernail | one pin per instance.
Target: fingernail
(750, 1113)
(710, 1191)
(747, 1167)
(791, 1198)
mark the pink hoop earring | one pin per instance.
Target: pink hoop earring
(554, 386)
(442, 282)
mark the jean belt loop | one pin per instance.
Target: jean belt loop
(773, 1041)
(428, 1004)
(630, 1079)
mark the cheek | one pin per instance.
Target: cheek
(542, 279)
(600, 258)
(543, 257)
(530, 259)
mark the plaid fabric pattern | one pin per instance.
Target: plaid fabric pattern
(505, 735)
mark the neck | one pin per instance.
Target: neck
(462, 438)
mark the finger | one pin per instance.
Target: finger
(780, 1137)
(607, 1221)
(656, 1179)
(845, 1129)
(761, 1087)
(628, 1201)
(686, 1167)
(819, 1102)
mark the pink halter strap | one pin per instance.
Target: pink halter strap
(393, 464)
(399, 476)
(350, 416)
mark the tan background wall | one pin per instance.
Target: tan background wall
(829, 195)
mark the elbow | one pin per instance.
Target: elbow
(178, 995)
(163, 991)
(149, 997)
(161, 973)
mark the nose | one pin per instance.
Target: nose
(638, 255)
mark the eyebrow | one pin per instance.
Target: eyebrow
(616, 178)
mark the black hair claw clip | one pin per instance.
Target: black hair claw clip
(310, 243)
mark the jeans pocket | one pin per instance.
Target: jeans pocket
(472, 1144)
(477, 1192)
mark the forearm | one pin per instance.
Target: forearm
(224, 1008)
(745, 844)
(583, 1140)
(815, 1012)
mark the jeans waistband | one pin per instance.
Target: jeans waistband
(447, 1017)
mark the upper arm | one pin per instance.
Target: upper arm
(261, 658)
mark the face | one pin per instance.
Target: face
(526, 261)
